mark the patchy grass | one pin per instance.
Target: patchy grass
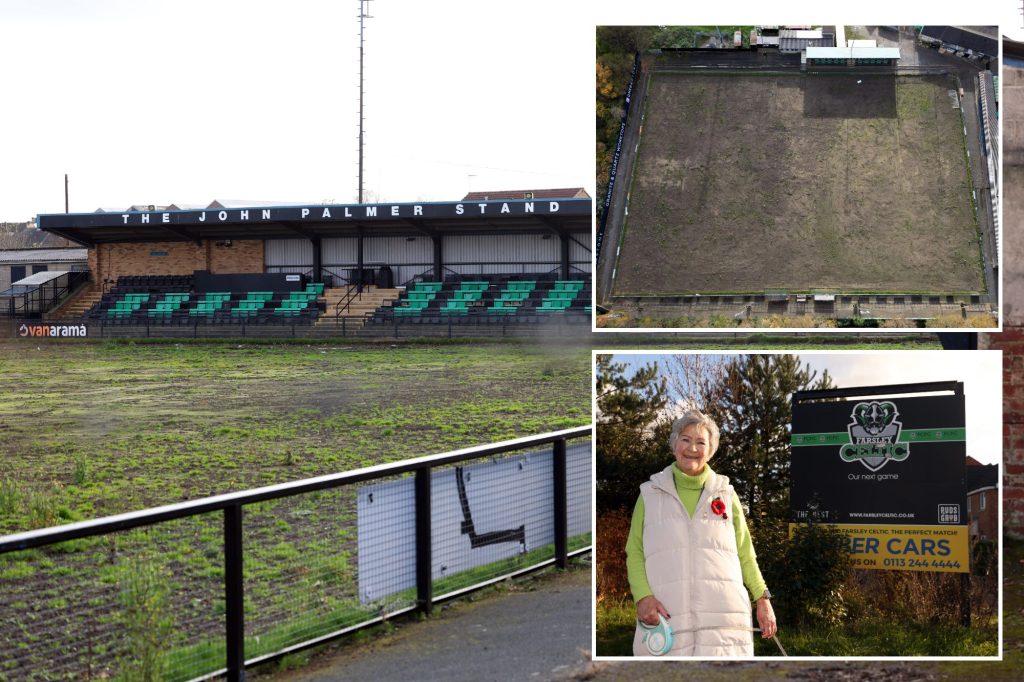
(93, 429)
(1013, 626)
(864, 637)
(838, 181)
(616, 622)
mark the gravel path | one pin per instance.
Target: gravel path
(534, 630)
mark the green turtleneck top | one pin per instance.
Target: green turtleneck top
(689, 488)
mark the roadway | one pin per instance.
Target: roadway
(537, 629)
(616, 218)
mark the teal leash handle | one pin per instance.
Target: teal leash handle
(657, 638)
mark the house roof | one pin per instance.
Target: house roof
(216, 203)
(43, 255)
(853, 53)
(247, 203)
(505, 195)
(982, 476)
(1012, 48)
(790, 43)
(953, 35)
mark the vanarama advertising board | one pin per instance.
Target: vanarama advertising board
(53, 330)
(890, 471)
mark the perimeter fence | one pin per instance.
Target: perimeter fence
(205, 588)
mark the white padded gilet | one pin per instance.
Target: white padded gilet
(694, 570)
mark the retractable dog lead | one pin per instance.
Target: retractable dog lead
(658, 638)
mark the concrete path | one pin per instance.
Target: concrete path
(538, 629)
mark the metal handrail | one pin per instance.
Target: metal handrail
(352, 292)
(428, 271)
(49, 294)
(574, 265)
(231, 505)
(129, 520)
(75, 279)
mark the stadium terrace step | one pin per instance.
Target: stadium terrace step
(76, 306)
(355, 314)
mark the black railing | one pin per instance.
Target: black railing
(427, 275)
(77, 601)
(568, 324)
(36, 300)
(294, 269)
(469, 270)
(353, 292)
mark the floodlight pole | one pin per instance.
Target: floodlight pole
(363, 4)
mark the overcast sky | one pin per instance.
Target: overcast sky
(981, 372)
(146, 102)
(187, 101)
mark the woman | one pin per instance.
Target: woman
(689, 553)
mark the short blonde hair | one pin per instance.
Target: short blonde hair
(689, 418)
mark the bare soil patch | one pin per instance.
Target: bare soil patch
(803, 182)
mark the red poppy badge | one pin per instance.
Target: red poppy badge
(718, 508)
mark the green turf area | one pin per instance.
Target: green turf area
(94, 429)
(852, 182)
(867, 637)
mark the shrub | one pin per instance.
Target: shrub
(923, 597)
(145, 618)
(10, 495)
(612, 531)
(983, 557)
(806, 572)
(80, 474)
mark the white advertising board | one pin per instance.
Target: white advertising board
(481, 513)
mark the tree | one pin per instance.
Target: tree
(754, 412)
(624, 38)
(606, 87)
(632, 431)
(635, 401)
(27, 236)
(695, 380)
(615, 59)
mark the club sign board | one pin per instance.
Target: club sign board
(888, 471)
(482, 513)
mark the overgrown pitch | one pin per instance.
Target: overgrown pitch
(852, 182)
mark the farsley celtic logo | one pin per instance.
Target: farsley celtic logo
(874, 433)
